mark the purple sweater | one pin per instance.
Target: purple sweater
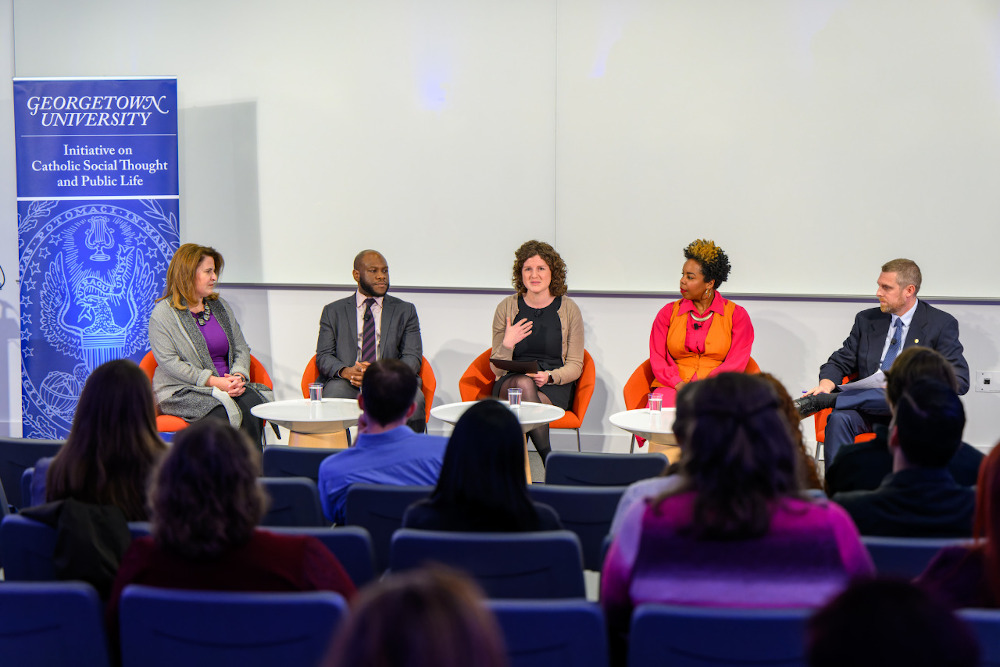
(810, 552)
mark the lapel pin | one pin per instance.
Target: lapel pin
(916, 340)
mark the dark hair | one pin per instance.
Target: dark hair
(986, 528)
(713, 261)
(907, 272)
(929, 418)
(483, 469)
(205, 498)
(915, 363)
(113, 443)
(878, 622)
(389, 388)
(807, 464)
(557, 267)
(180, 274)
(739, 459)
(423, 617)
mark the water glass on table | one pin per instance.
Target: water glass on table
(514, 397)
(655, 402)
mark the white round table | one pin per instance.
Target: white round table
(529, 415)
(309, 418)
(656, 427)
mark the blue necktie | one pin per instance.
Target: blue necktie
(894, 345)
(368, 333)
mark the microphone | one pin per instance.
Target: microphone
(368, 315)
(892, 342)
(697, 325)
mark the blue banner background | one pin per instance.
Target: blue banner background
(92, 254)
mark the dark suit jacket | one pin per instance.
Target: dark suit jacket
(916, 502)
(337, 345)
(862, 350)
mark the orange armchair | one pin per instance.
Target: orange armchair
(477, 383)
(172, 424)
(428, 383)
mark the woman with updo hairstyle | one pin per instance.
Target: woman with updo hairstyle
(737, 532)
(203, 361)
(427, 617)
(112, 446)
(539, 323)
(206, 502)
(482, 486)
(701, 334)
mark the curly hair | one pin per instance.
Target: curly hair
(713, 261)
(549, 255)
(180, 274)
(204, 497)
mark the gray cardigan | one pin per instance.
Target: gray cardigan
(184, 364)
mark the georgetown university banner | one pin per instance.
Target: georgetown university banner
(97, 223)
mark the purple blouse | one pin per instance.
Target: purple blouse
(218, 345)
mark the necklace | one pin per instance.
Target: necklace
(696, 318)
(203, 317)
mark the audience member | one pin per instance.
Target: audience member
(807, 464)
(969, 576)
(206, 503)
(920, 498)
(875, 623)
(736, 533)
(539, 324)
(112, 445)
(387, 451)
(861, 466)
(482, 486)
(421, 618)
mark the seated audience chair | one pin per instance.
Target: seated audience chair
(352, 545)
(687, 636)
(294, 502)
(167, 425)
(599, 469)
(642, 382)
(286, 461)
(26, 477)
(586, 510)
(477, 383)
(52, 624)
(428, 383)
(552, 632)
(379, 509)
(905, 557)
(547, 564)
(985, 623)
(18, 454)
(165, 628)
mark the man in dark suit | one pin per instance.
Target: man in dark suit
(364, 327)
(920, 498)
(878, 335)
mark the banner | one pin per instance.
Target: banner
(97, 209)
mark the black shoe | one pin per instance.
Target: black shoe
(809, 405)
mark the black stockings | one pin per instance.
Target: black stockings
(529, 392)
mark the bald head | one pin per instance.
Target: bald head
(371, 272)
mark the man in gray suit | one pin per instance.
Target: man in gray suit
(364, 327)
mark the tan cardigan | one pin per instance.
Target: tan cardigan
(572, 338)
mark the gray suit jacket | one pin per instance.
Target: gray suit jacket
(337, 345)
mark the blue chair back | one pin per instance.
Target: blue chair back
(682, 636)
(16, 454)
(165, 628)
(294, 502)
(285, 461)
(543, 633)
(545, 564)
(986, 624)
(352, 545)
(379, 509)
(586, 510)
(598, 469)
(905, 557)
(51, 624)
(26, 477)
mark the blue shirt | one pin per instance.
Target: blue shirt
(399, 457)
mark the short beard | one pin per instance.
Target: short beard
(369, 290)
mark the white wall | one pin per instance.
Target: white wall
(793, 337)
(10, 310)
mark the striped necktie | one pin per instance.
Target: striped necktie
(368, 333)
(894, 345)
